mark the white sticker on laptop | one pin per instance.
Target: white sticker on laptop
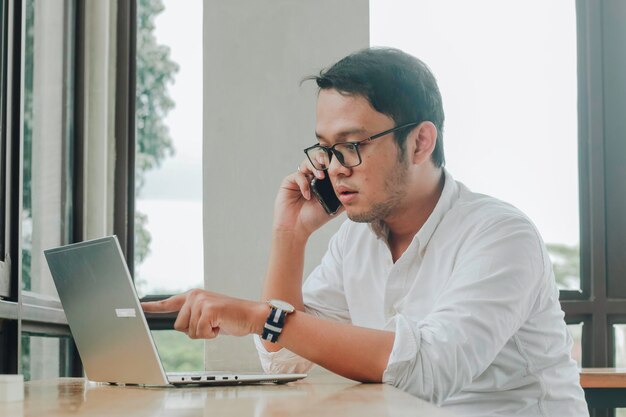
(125, 312)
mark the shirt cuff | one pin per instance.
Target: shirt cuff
(282, 361)
(406, 346)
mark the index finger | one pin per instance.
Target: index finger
(305, 168)
(169, 305)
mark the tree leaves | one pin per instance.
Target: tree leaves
(155, 71)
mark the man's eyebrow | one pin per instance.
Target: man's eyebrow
(344, 134)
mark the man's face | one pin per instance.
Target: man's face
(370, 191)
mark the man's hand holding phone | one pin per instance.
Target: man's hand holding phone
(297, 209)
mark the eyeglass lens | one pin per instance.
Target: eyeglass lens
(346, 153)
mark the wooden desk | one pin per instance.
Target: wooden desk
(603, 377)
(604, 387)
(319, 395)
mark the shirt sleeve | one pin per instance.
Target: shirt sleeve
(282, 361)
(323, 292)
(488, 296)
(323, 297)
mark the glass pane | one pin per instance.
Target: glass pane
(45, 357)
(179, 353)
(510, 98)
(576, 330)
(46, 139)
(168, 220)
(27, 138)
(619, 332)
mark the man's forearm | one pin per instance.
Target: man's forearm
(354, 352)
(284, 273)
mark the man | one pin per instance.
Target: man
(444, 293)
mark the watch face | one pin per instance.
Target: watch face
(282, 305)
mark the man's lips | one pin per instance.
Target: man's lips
(342, 189)
(345, 194)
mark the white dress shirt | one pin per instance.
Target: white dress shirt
(472, 301)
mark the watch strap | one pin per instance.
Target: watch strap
(274, 325)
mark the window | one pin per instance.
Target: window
(47, 141)
(59, 184)
(8, 283)
(168, 163)
(576, 330)
(45, 357)
(46, 219)
(620, 345)
(37, 161)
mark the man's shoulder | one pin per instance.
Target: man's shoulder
(479, 222)
(480, 211)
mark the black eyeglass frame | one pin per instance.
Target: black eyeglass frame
(330, 151)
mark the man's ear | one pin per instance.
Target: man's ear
(421, 142)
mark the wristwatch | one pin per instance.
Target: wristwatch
(276, 320)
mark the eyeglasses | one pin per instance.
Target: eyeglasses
(347, 153)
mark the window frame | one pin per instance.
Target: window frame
(600, 304)
(125, 86)
(26, 312)
(4, 161)
(9, 304)
(124, 211)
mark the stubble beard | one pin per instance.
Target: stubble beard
(395, 183)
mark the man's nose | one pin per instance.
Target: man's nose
(335, 168)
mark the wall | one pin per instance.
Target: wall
(257, 120)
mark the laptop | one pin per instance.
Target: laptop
(109, 326)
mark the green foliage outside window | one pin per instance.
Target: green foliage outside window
(155, 71)
(566, 264)
(27, 134)
(179, 353)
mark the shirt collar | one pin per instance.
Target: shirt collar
(448, 196)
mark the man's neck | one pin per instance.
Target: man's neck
(403, 225)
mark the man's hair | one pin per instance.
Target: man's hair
(396, 84)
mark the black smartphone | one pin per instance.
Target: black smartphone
(325, 194)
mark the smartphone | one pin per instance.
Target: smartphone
(325, 194)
